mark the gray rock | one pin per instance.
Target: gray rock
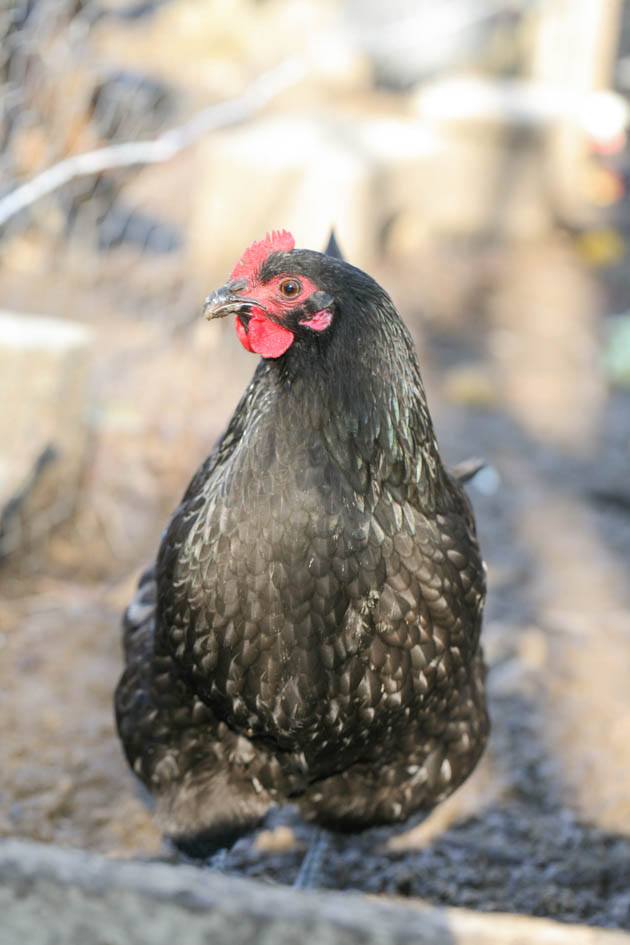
(50, 896)
(43, 424)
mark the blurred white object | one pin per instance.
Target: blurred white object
(602, 115)
(409, 40)
(487, 481)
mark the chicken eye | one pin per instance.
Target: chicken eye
(290, 288)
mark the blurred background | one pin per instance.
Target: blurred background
(473, 156)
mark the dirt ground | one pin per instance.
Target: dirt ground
(511, 348)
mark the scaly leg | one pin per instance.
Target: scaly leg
(310, 874)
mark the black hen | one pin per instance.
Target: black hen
(310, 630)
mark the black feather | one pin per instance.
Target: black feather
(332, 248)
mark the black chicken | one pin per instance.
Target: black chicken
(310, 630)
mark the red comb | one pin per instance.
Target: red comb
(280, 241)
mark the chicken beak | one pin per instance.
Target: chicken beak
(224, 302)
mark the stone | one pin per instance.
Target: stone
(43, 424)
(386, 183)
(280, 172)
(50, 895)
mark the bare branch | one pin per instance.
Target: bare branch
(162, 148)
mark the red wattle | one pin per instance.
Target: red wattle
(264, 337)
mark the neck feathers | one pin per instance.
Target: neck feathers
(363, 395)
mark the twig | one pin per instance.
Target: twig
(162, 148)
